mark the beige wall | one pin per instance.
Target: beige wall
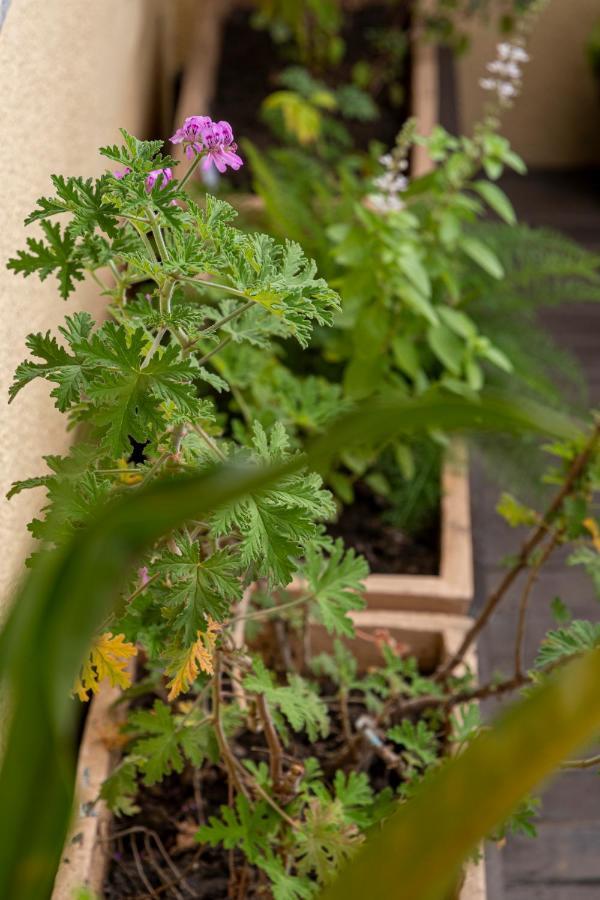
(72, 72)
(556, 121)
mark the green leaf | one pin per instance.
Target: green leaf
(325, 842)
(84, 200)
(416, 272)
(241, 826)
(515, 513)
(129, 393)
(285, 886)
(278, 524)
(483, 256)
(420, 743)
(298, 701)
(161, 750)
(58, 253)
(200, 586)
(120, 789)
(59, 366)
(576, 637)
(336, 584)
(458, 321)
(497, 200)
(590, 560)
(447, 347)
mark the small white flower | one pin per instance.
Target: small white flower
(506, 90)
(519, 55)
(488, 84)
(387, 203)
(504, 51)
(506, 69)
(387, 160)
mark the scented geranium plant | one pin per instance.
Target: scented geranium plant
(141, 388)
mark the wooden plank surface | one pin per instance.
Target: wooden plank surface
(564, 862)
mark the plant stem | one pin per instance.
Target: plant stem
(191, 170)
(273, 610)
(145, 241)
(164, 297)
(228, 757)
(197, 282)
(219, 324)
(209, 442)
(116, 273)
(153, 469)
(577, 468)
(155, 345)
(158, 237)
(214, 351)
(533, 577)
(588, 763)
(99, 281)
(345, 715)
(272, 738)
(266, 796)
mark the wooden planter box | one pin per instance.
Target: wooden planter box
(451, 591)
(431, 638)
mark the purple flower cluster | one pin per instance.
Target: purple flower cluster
(214, 140)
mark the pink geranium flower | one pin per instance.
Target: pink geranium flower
(222, 150)
(191, 134)
(155, 174)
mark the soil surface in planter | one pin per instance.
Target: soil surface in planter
(251, 61)
(387, 549)
(173, 810)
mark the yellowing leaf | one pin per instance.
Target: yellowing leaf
(594, 530)
(195, 659)
(108, 659)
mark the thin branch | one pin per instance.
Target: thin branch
(531, 580)
(191, 170)
(214, 351)
(158, 236)
(219, 324)
(155, 467)
(140, 868)
(272, 738)
(273, 610)
(238, 642)
(226, 754)
(266, 796)
(209, 442)
(483, 692)
(588, 763)
(577, 468)
(155, 345)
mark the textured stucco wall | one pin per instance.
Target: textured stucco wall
(556, 120)
(72, 72)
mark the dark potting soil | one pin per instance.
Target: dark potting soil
(387, 549)
(154, 853)
(251, 61)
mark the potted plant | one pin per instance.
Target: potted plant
(184, 282)
(226, 696)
